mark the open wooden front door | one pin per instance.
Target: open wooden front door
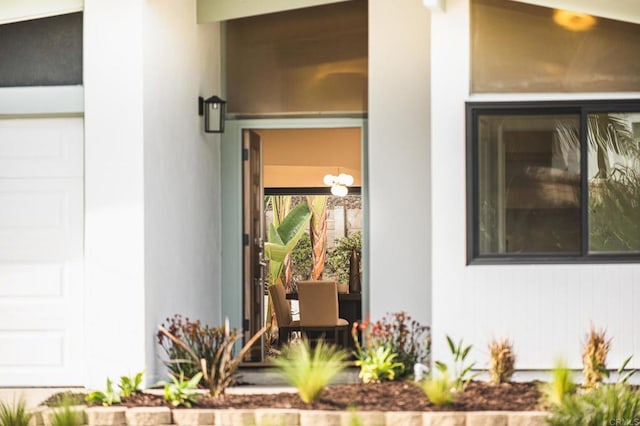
(254, 263)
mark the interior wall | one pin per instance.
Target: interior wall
(181, 171)
(114, 190)
(399, 164)
(545, 309)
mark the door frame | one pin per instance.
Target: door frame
(232, 206)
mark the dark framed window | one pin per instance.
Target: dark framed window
(553, 182)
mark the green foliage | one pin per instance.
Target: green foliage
(284, 237)
(65, 416)
(613, 205)
(202, 340)
(339, 257)
(623, 377)
(310, 369)
(61, 398)
(15, 414)
(604, 405)
(209, 349)
(377, 364)
(439, 390)
(461, 371)
(301, 259)
(405, 337)
(130, 385)
(106, 398)
(560, 386)
(181, 392)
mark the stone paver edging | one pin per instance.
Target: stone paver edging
(151, 416)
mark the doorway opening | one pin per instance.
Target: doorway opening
(284, 170)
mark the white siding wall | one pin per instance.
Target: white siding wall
(545, 309)
(399, 176)
(181, 170)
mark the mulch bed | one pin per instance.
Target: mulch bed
(389, 396)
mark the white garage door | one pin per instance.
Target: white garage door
(41, 248)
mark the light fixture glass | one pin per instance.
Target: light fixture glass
(328, 179)
(573, 21)
(339, 190)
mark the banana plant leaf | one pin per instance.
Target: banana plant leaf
(282, 239)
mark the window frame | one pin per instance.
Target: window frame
(474, 109)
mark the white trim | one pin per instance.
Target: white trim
(222, 10)
(435, 5)
(25, 10)
(41, 100)
(524, 97)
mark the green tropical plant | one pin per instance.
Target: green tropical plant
(283, 238)
(310, 369)
(318, 233)
(439, 390)
(181, 392)
(130, 385)
(219, 373)
(106, 398)
(560, 386)
(15, 414)
(461, 373)
(502, 360)
(607, 404)
(301, 261)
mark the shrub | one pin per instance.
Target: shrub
(310, 369)
(594, 357)
(14, 415)
(182, 392)
(200, 339)
(338, 258)
(405, 337)
(65, 416)
(301, 260)
(376, 364)
(608, 404)
(461, 371)
(130, 385)
(560, 386)
(208, 349)
(439, 390)
(502, 360)
(106, 398)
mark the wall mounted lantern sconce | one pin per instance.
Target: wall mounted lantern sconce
(214, 110)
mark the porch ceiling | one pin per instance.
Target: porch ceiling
(621, 10)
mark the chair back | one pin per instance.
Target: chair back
(318, 303)
(280, 305)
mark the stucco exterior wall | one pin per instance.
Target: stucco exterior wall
(181, 170)
(545, 309)
(114, 189)
(399, 163)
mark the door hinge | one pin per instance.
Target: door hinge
(245, 154)
(245, 325)
(245, 239)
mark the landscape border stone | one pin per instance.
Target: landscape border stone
(154, 416)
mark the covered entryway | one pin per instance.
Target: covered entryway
(41, 252)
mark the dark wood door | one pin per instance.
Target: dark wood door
(254, 263)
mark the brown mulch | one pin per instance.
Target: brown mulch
(389, 396)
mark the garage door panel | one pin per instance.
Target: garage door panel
(40, 218)
(32, 348)
(41, 252)
(32, 280)
(41, 147)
